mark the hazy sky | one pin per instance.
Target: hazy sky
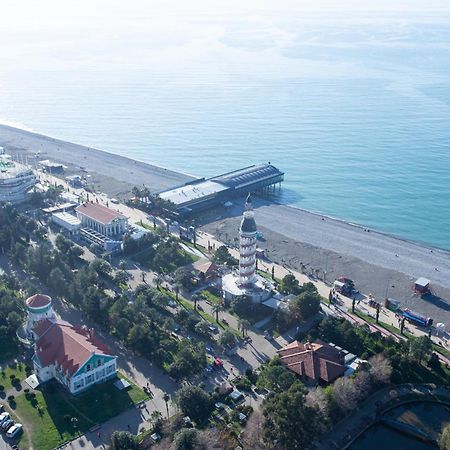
(74, 34)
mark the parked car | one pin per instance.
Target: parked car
(14, 431)
(3, 417)
(7, 424)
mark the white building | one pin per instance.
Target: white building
(72, 355)
(101, 219)
(67, 221)
(16, 180)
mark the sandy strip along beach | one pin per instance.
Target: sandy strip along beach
(379, 264)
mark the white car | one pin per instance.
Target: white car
(4, 417)
(14, 430)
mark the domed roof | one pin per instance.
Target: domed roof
(248, 225)
(38, 301)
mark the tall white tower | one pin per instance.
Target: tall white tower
(247, 248)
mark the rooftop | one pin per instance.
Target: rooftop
(11, 169)
(66, 345)
(69, 218)
(38, 301)
(313, 360)
(248, 175)
(99, 213)
(191, 192)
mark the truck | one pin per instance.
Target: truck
(344, 286)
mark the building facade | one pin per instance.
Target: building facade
(72, 355)
(101, 219)
(16, 180)
(247, 245)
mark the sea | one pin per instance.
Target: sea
(349, 99)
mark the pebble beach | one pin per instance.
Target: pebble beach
(380, 264)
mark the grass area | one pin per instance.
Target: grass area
(211, 298)
(268, 276)
(48, 415)
(8, 350)
(381, 324)
(18, 370)
(145, 225)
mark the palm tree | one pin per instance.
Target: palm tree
(243, 325)
(166, 398)
(217, 308)
(195, 299)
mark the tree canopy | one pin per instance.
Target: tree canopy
(290, 423)
(195, 403)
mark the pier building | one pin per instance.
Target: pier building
(204, 193)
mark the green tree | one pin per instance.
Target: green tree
(243, 326)
(195, 403)
(290, 423)
(216, 309)
(290, 285)
(420, 348)
(57, 281)
(276, 377)
(123, 440)
(227, 338)
(166, 398)
(305, 305)
(186, 439)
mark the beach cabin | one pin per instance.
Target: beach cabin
(422, 286)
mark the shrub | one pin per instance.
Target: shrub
(2, 388)
(10, 398)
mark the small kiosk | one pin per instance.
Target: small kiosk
(422, 286)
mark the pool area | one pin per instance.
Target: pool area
(427, 417)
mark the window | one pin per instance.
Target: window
(88, 368)
(99, 362)
(89, 379)
(78, 384)
(110, 369)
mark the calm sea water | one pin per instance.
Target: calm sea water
(353, 105)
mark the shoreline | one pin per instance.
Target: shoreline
(168, 171)
(374, 259)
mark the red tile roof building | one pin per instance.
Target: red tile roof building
(102, 219)
(315, 361)
(72, 355)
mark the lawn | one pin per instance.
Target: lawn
(49, 414)
(18, 370)
(211, 298)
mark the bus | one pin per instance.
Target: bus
(417, 319)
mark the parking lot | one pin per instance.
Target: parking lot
(3, 444)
